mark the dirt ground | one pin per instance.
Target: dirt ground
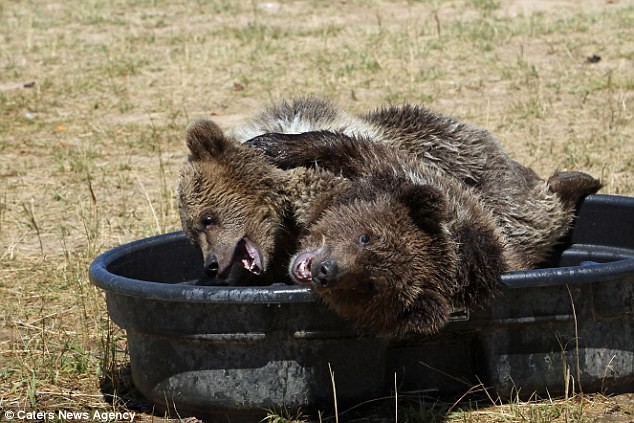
(95, 96)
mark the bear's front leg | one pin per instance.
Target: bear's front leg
(332, 151)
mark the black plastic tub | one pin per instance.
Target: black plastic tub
(210, 351)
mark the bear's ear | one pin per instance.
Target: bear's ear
(427, 206)
(205, 139)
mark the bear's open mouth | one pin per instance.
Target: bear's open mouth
(247, 253)
(301, 267)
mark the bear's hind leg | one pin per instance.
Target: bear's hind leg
(573, 186)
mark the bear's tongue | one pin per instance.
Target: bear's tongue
(301, 268)
(247, 253)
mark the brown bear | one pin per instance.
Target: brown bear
(265, 208)
(533, 214)
(521, 200)
(240, 210)
(403, 243)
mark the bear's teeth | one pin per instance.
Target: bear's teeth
(254, 268)
(301, 268)
(251, 265)
(304, 269)
(249, 256)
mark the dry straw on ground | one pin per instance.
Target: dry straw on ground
(94, 97)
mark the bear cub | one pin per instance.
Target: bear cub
(404, 243)
(240, 210)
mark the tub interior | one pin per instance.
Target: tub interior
(170, 259)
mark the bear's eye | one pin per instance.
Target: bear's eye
(208, 221)
(364, 239)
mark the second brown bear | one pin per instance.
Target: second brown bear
(405, 243)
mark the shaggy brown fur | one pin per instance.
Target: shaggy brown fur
(572, 186)
(304, 115)
(409, 239)
(528, 211)
(254, 211)
(394, 251)
(533, 216)
(393, 245)
(240, 210)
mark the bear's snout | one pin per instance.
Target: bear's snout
(211, 266)
(324, 272)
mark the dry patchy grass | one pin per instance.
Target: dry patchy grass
(94, 97)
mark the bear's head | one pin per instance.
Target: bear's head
(381, 257)
(230, 206)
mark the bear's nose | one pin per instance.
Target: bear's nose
(211, 266)
(325, 273)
